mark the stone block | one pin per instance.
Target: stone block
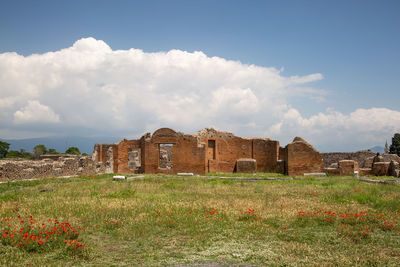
(347, 167)
(246, 165)
(119, 177)
(380, 168)
(315, 174)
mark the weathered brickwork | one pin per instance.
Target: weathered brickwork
(348, 167)
(167, 151)
(301, 157)
(246, 165)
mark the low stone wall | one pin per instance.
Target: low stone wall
(18, 169)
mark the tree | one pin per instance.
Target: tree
(73, 150)
(24, 154)
(52, 151)
(4, 149)
(19, 154)
(395, 146)
(13, 154)
(39, 150)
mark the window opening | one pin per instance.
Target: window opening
(165, 156)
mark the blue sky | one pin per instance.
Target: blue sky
(353, 45)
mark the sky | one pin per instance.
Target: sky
(328, 71)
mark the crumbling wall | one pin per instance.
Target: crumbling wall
(361, 157)
(390, 157)
(108, 155)
(301, 157)
(17, 169)
(167, 151)
(129, 157)
(187, 154)
(224, 148)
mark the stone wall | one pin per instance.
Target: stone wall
(363, 158)
(17, 169)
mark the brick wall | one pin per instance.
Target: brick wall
(187, 155)
(206, 151)
(301, 157)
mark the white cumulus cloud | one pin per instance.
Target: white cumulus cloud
(360, 128)
(90, 89)
(34, 112)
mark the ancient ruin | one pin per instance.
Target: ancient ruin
(363, 162)
(209, 150)
(49, 166)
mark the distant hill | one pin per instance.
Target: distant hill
(85, 144)
(377, 149)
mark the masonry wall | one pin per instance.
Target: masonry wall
(301, 157)
(18, 169)
(107, 154)
(229, 148)
(206, 151)
(122, 162)
(363, 158)
(187, 155)
(266, 153)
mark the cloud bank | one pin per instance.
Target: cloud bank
(90, 89)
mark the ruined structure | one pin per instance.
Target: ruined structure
(48, 166)
(209, 150)
(364, 162)
(167, 151)
(363, 158)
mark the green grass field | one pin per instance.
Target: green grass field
(167, 220)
